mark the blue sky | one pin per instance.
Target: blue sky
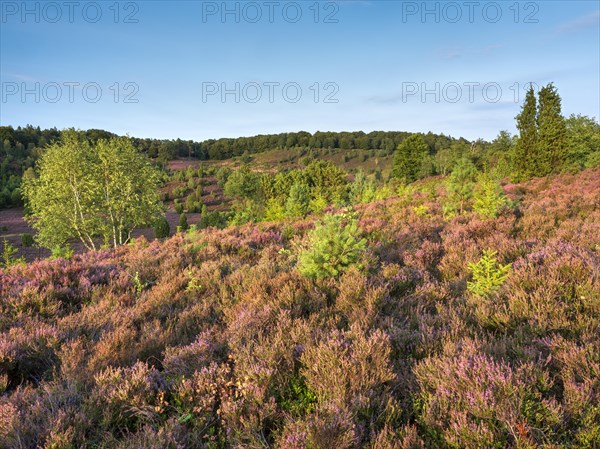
(158, 69)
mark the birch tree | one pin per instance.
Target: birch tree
(97, 194)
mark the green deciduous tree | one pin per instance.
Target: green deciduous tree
(129, 187)
(583, 135)
(500, 152)
(85, 192)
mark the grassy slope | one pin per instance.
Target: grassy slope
(274, 160)
(215, 338)
(271, 162)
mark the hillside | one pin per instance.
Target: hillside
(213, 339)
(13, 224)
(20, 148)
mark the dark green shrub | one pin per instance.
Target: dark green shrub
(297, 398)
(178, 207)
(179, 192)
(183, 223)
(162, 228)
(26, 239)
(193, 204)
(213, 219)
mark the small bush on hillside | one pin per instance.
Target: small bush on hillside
(489, 197)
(162, 228)
(222, 175)
(318, 204)
(179, 192)
(274, 210)
(62, 252)
(178, 207)
(488, 274)
(297, 204)
(213, 218)
(26, 239)
(8, 259)
(193, 204)
(460, 185)
(335, 245)
(362, 190)
(190, 173)
(246, 158)
(244, 212)
(183, 223)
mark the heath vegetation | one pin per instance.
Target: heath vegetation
(448, 300)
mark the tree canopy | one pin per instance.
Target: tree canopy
(543, 146)
(90, 191)
(409, 158)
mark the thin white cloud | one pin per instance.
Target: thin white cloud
(581, 23)
(451, 53)
(18, 77)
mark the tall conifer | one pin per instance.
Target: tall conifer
(552, 133)
(524, 154)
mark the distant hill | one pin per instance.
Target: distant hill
(20, 148)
